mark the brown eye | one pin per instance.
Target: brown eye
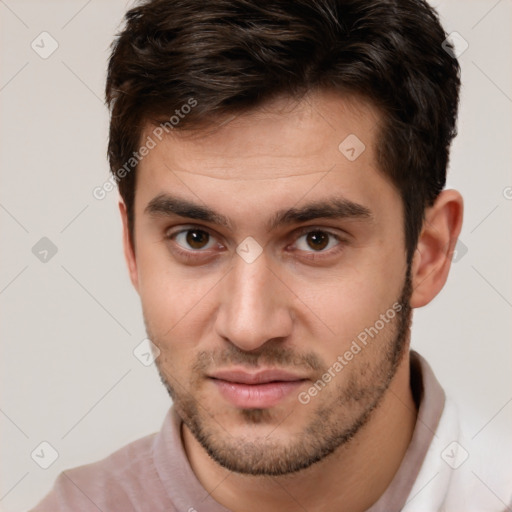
(317, 240)
(193, 239)
(196, 238)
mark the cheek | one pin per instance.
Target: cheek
(171, 294)
(353, 299)
(177, 308)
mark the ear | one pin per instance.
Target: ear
(436, 244)
(129, 252)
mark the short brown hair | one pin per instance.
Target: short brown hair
(231, 56)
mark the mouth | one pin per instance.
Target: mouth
(258, 390)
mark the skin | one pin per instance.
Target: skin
(295, 307)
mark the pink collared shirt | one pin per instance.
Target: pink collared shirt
(153, 473)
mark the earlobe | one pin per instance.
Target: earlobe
(129, 253)
(436, 243)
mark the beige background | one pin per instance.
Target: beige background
(69, 326)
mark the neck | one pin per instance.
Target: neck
(351, 478)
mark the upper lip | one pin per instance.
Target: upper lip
(260, 377)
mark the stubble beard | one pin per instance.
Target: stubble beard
(333, 424)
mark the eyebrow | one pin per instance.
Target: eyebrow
(330, 208)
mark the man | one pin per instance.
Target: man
(281, 170)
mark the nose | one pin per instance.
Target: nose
(256, 306)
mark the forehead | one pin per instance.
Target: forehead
(274, 156)
(305, 133)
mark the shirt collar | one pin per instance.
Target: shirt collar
(430, 397)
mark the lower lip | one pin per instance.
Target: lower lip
(256, 396)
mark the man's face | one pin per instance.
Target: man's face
(251, 307)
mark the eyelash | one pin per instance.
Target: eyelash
(189, 255)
